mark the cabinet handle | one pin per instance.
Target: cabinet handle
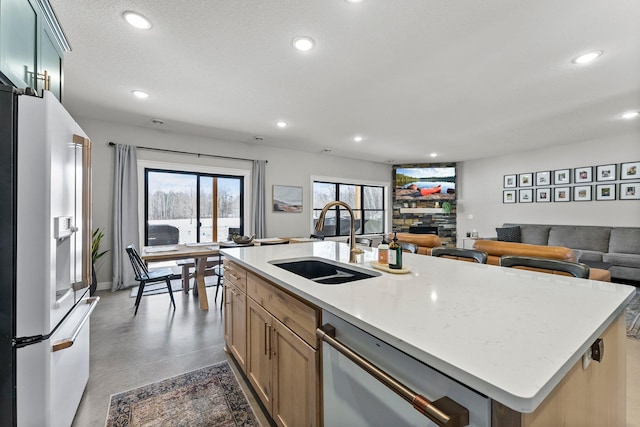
(265, 338)
(234, 276)
(445, 412)
(269, 342)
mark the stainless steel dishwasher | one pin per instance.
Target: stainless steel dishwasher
(354, 395)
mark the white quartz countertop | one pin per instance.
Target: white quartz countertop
(509, 334)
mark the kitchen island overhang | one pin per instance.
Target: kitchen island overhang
(509, 334)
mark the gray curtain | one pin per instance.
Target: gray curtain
(125, 215)
(259, 201)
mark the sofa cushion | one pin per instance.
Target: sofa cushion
(532, 234)
(625, 240)
(508, 234)
(626, 273)
(625, 260)
(586, 255)
(580, 237)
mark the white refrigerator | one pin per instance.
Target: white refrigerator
(45, 260)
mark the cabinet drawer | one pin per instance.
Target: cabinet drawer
(235, 275)
(301, 318)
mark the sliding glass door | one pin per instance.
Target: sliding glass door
(191, 207)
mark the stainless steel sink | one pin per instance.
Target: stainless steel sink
(324, 271)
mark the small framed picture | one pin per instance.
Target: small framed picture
(630, 171)
(606, 192)
(562, 194)
(584, 174)
(581, 193)
(509, 196)
(543, 178)
(525, 179)
(526, 196)
(287, 198)
(510, 181)
(562, 176)
(543, 195)
(630, 191)
(606, 173)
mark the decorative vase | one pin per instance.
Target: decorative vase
(94, 281)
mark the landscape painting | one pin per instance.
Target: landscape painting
(287, 198)
(428, 183)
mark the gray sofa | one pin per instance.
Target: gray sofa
(619, 246)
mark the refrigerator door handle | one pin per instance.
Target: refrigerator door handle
(68, 342)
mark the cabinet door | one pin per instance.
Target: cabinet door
(295, 386)
(258, 364)
(18, 42)
(51, 62)
(237, 311)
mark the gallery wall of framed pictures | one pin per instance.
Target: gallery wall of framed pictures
(615, 181)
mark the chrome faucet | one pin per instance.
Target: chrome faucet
(353, 251)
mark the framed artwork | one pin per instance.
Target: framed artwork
(509, 196)
(584, 174)
(606, 192)
(510, 181)
(287, 198)
(562, 176)
(630, 191)
(606, 173)
(543, 178)
(581, 193)
(630, 171)
(525, 180)
(562, 194)
(543, 195)
(526, 196)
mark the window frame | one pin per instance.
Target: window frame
(337, 182)
(216, 171)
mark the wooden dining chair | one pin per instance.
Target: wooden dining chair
(144, 276)
(456, 253)
(575, 269)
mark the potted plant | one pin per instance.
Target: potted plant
(96, 238)
(446, 208)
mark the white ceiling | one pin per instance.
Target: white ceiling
(464, 78)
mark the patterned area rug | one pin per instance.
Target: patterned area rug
(209, 396)
(633, 316)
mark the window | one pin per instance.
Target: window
(366, 201)
(191, 207)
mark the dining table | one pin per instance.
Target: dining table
(199, 252)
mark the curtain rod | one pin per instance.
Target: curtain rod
(164, 150)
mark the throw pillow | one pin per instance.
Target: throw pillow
(509, 234)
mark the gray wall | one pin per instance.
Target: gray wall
(285, 167)
(480, 188)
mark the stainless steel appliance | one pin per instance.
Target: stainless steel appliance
(45, 260)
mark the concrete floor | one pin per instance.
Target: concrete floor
(129, 352)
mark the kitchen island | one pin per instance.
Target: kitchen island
(510, 336)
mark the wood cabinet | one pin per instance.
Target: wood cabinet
(235, 315)
(275, 346)
(28, 46)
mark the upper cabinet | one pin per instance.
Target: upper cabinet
(31, 45)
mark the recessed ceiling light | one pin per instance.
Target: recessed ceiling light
(281, 124)
(140, 94)
(433, 154)
(136, 20)
(630, 115)
(587, 57)
(357, 138)
(303, 43)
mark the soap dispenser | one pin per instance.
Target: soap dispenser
(395, 253)
(383, 252)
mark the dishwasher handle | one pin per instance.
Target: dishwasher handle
(68, 342)
(445, 412)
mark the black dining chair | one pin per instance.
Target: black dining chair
(470, 254)
(575, 269)
(317, 236)
(144, 276)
